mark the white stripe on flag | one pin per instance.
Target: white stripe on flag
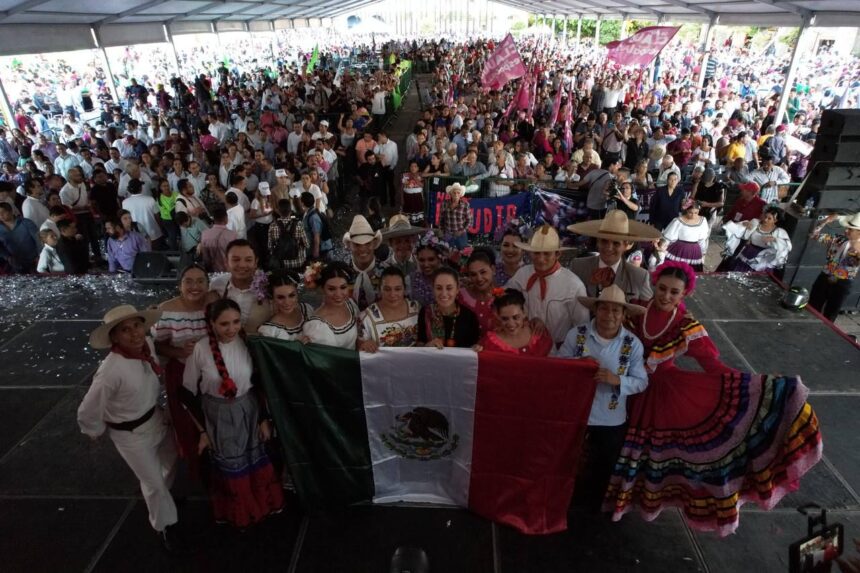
(396, 381)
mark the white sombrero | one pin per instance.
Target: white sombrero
(399, 226)
(544, 240)
(851, 221)
(613, 294)
(100, 337)
(360, 232)
(616, 226)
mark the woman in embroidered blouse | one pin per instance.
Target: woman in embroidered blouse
(393, 320)
(429, 254)
(512, 257)
(230, 414)
(290, 314)
(413, 193)
(688, 236)
(445, 322)
(513, 334)
(478, 294)
(181, 325)
(686, 432)
(335, 322)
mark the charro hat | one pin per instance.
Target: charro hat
(360, 232)
(615, 226)
(456, 187)
(544, 240)
(399, 226)
(613, 294)
(100, 337)
(851, 221)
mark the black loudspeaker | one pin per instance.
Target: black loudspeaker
(840, 122)
(153, 268)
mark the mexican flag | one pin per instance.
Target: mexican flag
(312, 63)
(499, 434)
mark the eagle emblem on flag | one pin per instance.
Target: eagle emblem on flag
(421, 434)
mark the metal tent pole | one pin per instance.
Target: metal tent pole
(799, 47)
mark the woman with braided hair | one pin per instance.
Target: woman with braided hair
(230, 414)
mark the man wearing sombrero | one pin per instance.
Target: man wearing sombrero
(549, 288)
(361, 241)
(122, 399)
(621, 374)
(615, 235)
(401, 237)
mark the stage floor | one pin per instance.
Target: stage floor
(70, 504)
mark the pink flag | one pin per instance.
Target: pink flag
(568, 116)
(556, 105)
(642, 47)
(523, 94)
(503, 65)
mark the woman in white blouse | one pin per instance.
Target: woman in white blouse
(688, 236)
(335, 322)
(228, 412)
(393, 320)
(290, 314)
(765, 245)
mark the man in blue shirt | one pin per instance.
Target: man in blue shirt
(621, 374)
(123, 246)
(20, 241)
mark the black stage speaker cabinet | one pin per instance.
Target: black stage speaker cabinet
(153, 268)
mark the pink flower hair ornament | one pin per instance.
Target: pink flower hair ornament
(687, 270)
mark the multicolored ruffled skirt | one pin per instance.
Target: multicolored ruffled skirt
(708, 443)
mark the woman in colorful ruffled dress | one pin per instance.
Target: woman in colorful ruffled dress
(393, 320)
(430, 253)
(290, 314)
(229, 413)
(181, 325)
(478, 296)
(706, 442)
(688, 236)
(513, 334)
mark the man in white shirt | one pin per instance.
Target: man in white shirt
(769, 177)
(134, 172)
(294, 138)
(218, 129)
(33, 208)
(64, 161)
(196, 178)
(126, 145)
(144, 211)
(236, 221)
(115, 162)
(378, 105)
(550, 290)
(386, 153)
(323, 132)
(75, 195)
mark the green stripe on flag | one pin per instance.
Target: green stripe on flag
(315, 398)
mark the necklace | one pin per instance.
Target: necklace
(665, 328)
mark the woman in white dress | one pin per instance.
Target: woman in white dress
(290, 314)
(766, 245)
(393, 320)
(688, 236)
(335, 322)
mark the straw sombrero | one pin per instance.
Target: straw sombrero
(613, 294)
(544, 240)
(360, 232)
(615, 226)
(851, 221)
(399, 226)
(100, 337)
(455, 187)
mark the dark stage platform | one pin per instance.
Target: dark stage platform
(69, 504)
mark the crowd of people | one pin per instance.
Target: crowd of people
(245, 179)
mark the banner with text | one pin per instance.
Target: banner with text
(503, 65)
(560, 211)
(642, 47)
(488, 213)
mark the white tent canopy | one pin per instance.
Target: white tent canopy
(28, 26)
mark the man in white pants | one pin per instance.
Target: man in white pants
(123, 399)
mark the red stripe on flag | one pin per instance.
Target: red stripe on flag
(530, 420)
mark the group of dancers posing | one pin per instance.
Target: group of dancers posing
(658, 436)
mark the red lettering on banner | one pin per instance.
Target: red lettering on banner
(476, 222)
(488, 218)
(512, 213)
(500, 214)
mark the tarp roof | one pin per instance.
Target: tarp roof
(32, 26)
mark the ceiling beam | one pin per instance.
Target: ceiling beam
(788, 7)
(22, 7)
(688, 6)
(130, 12)
(194, 12)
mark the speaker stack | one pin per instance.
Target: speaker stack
(832, 185)
(155, 268)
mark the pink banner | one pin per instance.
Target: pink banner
(642, 47)
(503, 65)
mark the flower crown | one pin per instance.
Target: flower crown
(431, 240)
(687, 269)
(312, 274)
(260, 286)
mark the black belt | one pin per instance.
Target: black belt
(130, 426)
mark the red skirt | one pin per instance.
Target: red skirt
(187, 435)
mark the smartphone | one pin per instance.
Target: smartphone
(813, 553)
